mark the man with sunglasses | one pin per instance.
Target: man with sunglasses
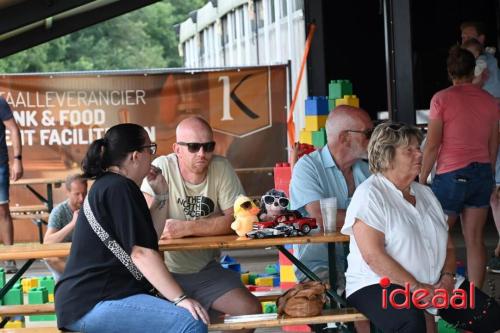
(202, 190)
(332, 171)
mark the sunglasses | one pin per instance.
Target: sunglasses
(270, 200)
(152, 148)
(248, 204)
(194, 147)
(367, 132)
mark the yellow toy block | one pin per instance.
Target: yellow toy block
(287, 274)
(51, 298)
(245, 277)
(14, 324)
(306, 137)
(266, 281)
(351, 100)
(314, 123)
(29, 283)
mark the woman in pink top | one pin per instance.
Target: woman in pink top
(462, 136)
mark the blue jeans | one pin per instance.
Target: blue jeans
(470, 186)
(139, 313)
(4, 183)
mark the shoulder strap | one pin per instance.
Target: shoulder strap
(110, 243)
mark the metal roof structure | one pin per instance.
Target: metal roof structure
(27, 23)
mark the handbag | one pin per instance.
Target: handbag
(304, 300)
(115, 247)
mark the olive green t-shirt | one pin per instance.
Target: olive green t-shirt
(196, 202)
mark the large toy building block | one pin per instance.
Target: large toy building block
(14, 296)
(265, 281)
(269, 307)
(351, 100)
(29, 283)
(314, 123)
(339, 88)
(15, 324)
(230, 263)
(47, 282)
(272, 269)
(282, 176)
(2, 277)
(39, 295)
(245, 278)
(317, 106)
(305, 136)
(331, 104)
(287, 274)
(319, 138)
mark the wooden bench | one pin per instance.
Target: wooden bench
(272, 320)
(26, 309)
(38, 214)
(38, 251)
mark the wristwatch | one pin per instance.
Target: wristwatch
(18, 157)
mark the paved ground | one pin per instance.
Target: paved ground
(257, 260)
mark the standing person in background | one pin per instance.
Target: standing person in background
(475, 30)
(16, 172)
(465, 162)
(62, 220)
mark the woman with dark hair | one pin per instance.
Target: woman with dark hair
(462, 137)
(114, 264)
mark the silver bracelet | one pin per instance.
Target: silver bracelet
(179, 299)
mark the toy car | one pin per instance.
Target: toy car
(302, 224)
(281, 230)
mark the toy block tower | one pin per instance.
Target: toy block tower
(49, 283)
(315, 118)
(282, 176)
(338, 89)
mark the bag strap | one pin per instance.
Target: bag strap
(110, 243)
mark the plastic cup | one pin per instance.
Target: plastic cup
(329, 214)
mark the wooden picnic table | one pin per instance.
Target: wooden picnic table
(48, 181)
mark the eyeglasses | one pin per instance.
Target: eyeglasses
(270, 200)
(152, 148)
(194, 147)
(367, 132)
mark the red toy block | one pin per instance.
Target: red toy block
(287, 285)
(282, 176)
(297, 328)
(284, 260)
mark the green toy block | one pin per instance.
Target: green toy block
(339, 88)
(319, 138)
(47, 317)
(272, 269)
(38, 295)
(444, 327)
(47, 282)
(269, 307)
(2, 277)
(331, 104)
(14, 296)
(251, 278)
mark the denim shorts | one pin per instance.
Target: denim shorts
(468, 187)
(4, 183)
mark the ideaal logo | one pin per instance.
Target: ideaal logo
(420, 297)
(197, 206)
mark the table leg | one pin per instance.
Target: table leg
(50, 201)
(16, 277)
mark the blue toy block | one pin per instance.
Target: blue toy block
(317, 106)
(276, 281)
(339, 88)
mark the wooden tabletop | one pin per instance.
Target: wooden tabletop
(40, 251)
(235, 242)
(34, 181)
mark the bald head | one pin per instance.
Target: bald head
(189, 129)
(345, 117)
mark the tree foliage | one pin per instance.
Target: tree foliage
(141, 39)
